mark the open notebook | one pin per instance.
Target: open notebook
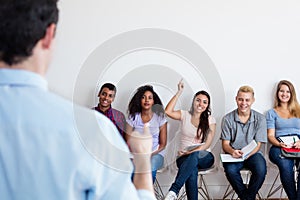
(192, 147)
(246, 151)
(289, 140)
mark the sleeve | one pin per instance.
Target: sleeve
(270, 117)
(225, 129)
(162, 120)
(261, 129)
(122, 124)
(130, 121)
(125, 190)
(211, 120)
(121, 182)
(183, 113)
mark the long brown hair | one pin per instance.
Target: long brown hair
(203, 127)
(293, 105)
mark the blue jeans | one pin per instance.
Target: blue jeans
(257, 165)
(188, 172)
(157, 162)
(285, 166)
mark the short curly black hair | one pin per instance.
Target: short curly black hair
(22, 24)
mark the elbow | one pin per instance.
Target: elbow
(168, 112)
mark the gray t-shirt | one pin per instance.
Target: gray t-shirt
(240, 134)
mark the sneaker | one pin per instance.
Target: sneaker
(170, 196)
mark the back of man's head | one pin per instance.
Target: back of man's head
(22, 24)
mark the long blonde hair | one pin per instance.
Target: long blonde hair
(293, 105)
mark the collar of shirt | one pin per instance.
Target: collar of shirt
(106, 113)
(237, 119)
(20, 77)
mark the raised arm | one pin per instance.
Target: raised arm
(170, 112)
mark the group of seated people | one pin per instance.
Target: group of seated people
(51, 148)
(238, 129)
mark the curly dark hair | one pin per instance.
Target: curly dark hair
(22, 24)
(203, 127)
(135, 102)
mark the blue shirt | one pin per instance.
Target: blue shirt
(282, 126)
(53, 149)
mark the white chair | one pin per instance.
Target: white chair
(202, 186)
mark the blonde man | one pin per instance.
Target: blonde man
(239, 128)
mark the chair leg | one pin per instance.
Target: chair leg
(182, 194)
(229, 191)
(202, 188)
(157, 190)
(273, 190)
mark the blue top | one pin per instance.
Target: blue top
(282, 126)
(241, 134)
(53, 149)
(154, 125)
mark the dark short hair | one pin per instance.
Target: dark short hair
(22, 24)
(110, 86)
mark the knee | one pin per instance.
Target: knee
(260, 170)
(194, 174)
(230, 171)
(275, 154)
(157, 162)
(207, 161)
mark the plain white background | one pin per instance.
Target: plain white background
(250, 42)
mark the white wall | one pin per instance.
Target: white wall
(243, 42)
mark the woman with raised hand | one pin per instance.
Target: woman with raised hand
(282, 120)
(197, 127)
(146, 107)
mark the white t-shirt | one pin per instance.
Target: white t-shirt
(154, 125)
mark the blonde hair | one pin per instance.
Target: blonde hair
(246, 88)
(293, 105)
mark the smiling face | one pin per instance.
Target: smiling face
(284, 94)
(244, 100)
(147, 100)
(200, 103)
(106, 97)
